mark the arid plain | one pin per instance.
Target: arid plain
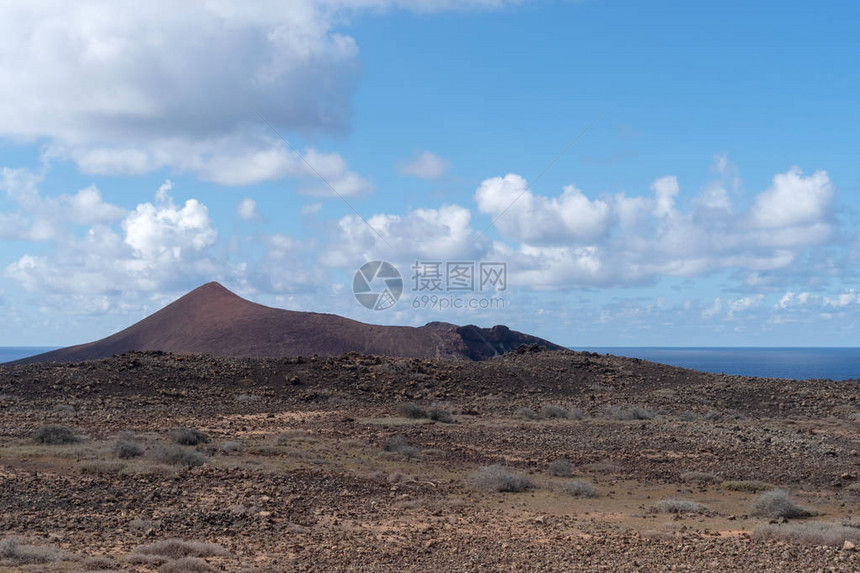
(533, 461)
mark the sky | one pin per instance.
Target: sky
(647, 173)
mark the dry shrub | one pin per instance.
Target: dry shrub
(579, 488)
(809, 533)
(177, 548)
(501, 479)
(56, 435)
(775, 504)
(675, 505)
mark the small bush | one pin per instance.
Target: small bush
(399, 445)
(186, 565)
(853, 488)
(99, 563)
(575, 414)
(126, 449)
(498, 478)
(748, 486)
(147, 560)
(177, 549)
(440, 415)
(178, 456)
(616, 413)
(700, 477)
(775, 504)
(230, 447)
(560, 468)
(688, 416)
(56, 435)
(100, 467)
(410, 410)
(680, 506)
(579, 488)
(527, 413)
(714, 416)
(553, 411)
(12, 548)
(642, 414)
(809, 533)
(189, 437)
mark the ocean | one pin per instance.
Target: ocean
(10, 353)
(792, 363)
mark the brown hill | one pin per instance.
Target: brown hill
(212, 320)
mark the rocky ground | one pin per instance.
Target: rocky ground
(315, 464)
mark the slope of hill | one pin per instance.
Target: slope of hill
(212, 320)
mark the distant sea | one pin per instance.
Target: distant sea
(10, 353)
(792, 363)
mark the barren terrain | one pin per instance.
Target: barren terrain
(329, 464)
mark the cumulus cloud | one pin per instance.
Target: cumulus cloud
(426, 165)
(161, 246)
(572, 240)
(39, 218)
(531, 218)
(248, 210)
(794, 201)
(186, 83)
(427, 234)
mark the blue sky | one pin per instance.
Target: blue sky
(712, 202)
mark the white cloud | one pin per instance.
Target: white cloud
(186, 83)
(665, 190)
(743, 304)
(310, 209)
(248, 210)
(427, 234)
(531, 218)
(426, 165)
(161, 246)
(573, 240)
(794, 201)
(40, 218)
